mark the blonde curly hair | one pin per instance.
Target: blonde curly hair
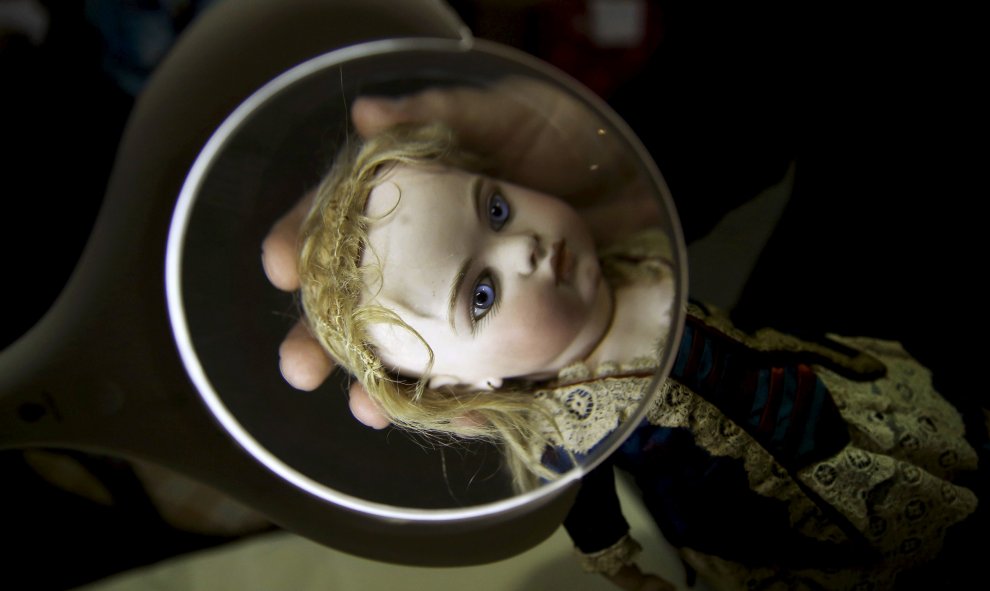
(333, 282)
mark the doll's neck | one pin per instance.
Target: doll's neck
(641, 316)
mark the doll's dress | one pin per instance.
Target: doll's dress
(769, 462)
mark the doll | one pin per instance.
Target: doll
(430, 331)
(473, 307)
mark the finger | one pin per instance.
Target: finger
(365, 409)
(279, 250)
(469, 421)
(456, 106)
(371, 115)
(303, 362)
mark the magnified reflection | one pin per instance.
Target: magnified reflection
(481, 212)
(470, 306)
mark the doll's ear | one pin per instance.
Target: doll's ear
(443, 381)
(488, 384)
(437, 382)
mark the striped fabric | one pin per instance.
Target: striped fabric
(774, 395)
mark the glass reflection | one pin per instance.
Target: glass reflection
(467, 305)
(498, 215)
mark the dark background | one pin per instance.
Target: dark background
(880, 236)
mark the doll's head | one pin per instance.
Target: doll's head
(434, 284)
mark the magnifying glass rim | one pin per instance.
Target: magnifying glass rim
(175, 249)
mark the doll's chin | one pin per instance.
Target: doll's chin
(542, 376)
(587, 279)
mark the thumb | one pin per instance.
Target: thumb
(364, 409)
(455, 107)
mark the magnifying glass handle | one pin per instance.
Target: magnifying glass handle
(100, 371)
(103, 375)
(114, 392)
(105, 346)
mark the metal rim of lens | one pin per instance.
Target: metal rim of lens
(175, 250)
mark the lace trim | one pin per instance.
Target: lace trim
(678, 406)
(901, 414)
(586, 412)
(726, 575)
(587, 404)
(611, 559)
(891, 482)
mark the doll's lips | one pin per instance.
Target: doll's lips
(561, 261)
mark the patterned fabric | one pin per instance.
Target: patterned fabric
(777, 400)
(777, 463)
(611, 559)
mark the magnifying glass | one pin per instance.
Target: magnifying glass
(163, 346)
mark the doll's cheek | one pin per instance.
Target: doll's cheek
(365, 410)
(543, 329)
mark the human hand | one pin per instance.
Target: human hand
(537, 136)
(630, 578)
(303, 362)
(534, 134)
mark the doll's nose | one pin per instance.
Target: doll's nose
(522, 252)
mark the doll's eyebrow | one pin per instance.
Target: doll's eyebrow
(474, 194)
(455, 290)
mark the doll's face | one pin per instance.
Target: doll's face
(500, 281)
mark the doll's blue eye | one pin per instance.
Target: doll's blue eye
(483, 298)
(498, 211)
